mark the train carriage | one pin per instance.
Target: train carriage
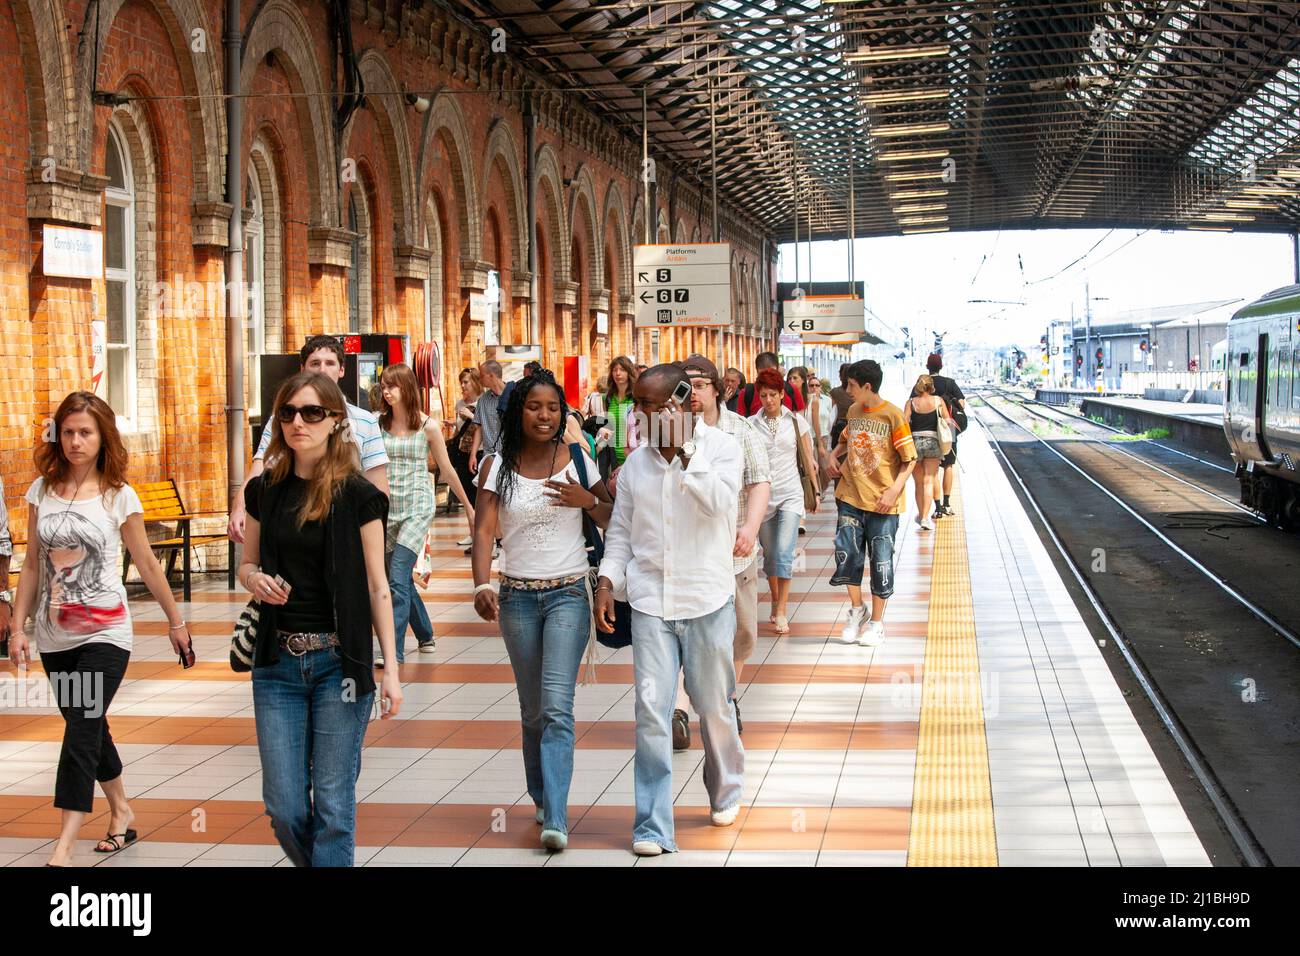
(1261, 414)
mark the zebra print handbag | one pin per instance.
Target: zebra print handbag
(243, 641)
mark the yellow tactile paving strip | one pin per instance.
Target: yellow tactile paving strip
(952, 804)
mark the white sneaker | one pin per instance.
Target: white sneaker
(927, 525)
(540, 817)
(853, 624)
(465, 542)
(554, 840)
(647, 848)
(724, 818)
(873, 634)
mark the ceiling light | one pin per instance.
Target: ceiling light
(889, 54)
(1268, 191)
(918, 232)
(1289, 172)
(920, 194)
(1247, 204)
(1228, 217)
(903, 154)
(905, 96)
(922, 207)
(910, 129)
(904, 177)
(1202, 228)
(920, 220)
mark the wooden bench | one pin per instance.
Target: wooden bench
(162, 503)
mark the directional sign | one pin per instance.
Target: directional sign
(682, 285)
(824, 316)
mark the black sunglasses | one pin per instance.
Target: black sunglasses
(311, 414)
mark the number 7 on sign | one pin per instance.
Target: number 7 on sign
(681, 295)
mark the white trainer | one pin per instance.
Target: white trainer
(540, 817)
(873, 634)
(554, 840)
(724, 818)
(927, 525)
(853, 624)
(646, 848)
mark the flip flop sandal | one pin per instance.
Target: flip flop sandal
(120, 841)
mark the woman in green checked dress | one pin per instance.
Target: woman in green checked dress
(415, 446)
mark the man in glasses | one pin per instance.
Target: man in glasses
(669, 548)
(323, 354)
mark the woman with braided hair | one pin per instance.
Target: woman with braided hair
(538, 488)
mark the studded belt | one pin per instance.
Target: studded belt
(542, 584)
(299, 643)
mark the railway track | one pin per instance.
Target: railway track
(1183, 608)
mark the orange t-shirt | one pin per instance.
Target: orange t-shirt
(879, 444)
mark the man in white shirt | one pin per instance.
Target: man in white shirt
(323, 354)
(669, 548)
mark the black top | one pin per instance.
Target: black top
(948, 390)
(339, 562)
(302, 561)
(925, 421)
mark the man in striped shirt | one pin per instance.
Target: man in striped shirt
(878, 457)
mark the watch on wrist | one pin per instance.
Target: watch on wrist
(688, 449)
(7, 597)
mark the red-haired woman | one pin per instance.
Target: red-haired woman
(781, 431)
(415, 446)
(83, 511)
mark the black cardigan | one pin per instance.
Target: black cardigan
(345, 566)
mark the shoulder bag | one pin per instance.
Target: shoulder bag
(806, 480)
(622, 636)
(944, 426)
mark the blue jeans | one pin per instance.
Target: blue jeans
(546, 633)
(407, 605)
(309, 735)
(702, 648)
(861, 536)
(779, 536)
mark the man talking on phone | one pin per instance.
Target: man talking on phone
(668, 548)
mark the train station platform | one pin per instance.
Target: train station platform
(986, 731)
(1194, 424)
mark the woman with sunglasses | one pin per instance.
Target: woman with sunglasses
(314, 559)
(415, 446)
(531, 486)
(82, 512)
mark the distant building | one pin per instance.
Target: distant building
(1161, 338)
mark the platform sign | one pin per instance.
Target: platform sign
(73, 253)
(830, 320)
(682, 285)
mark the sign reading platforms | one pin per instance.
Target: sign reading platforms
(824, 320)
(682, 285)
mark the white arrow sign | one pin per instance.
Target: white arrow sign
(824, 316)
(682, 284)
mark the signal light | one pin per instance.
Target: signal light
(1143, 345)
(1078, 361)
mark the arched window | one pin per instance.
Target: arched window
(255, 283)
(119, 276)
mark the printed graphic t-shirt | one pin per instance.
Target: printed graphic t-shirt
(879, 445)
(81, 598)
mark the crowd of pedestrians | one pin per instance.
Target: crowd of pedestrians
(648, 510)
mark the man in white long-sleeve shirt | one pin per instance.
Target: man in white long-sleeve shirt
(669, 549)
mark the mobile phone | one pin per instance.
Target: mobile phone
(187, 656)
(285, 585)
(682, 393)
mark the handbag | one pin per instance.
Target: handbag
(622, 636)
(806, 481)
(944, 428)
(244, 639)
(466, 440)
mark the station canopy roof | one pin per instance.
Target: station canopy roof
(953, 115)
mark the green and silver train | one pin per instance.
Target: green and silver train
(1261, 409)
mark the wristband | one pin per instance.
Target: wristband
(177, 627)
(481, 588)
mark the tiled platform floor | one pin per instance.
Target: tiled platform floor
(830, 732)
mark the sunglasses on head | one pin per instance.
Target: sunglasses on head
(311, 414)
